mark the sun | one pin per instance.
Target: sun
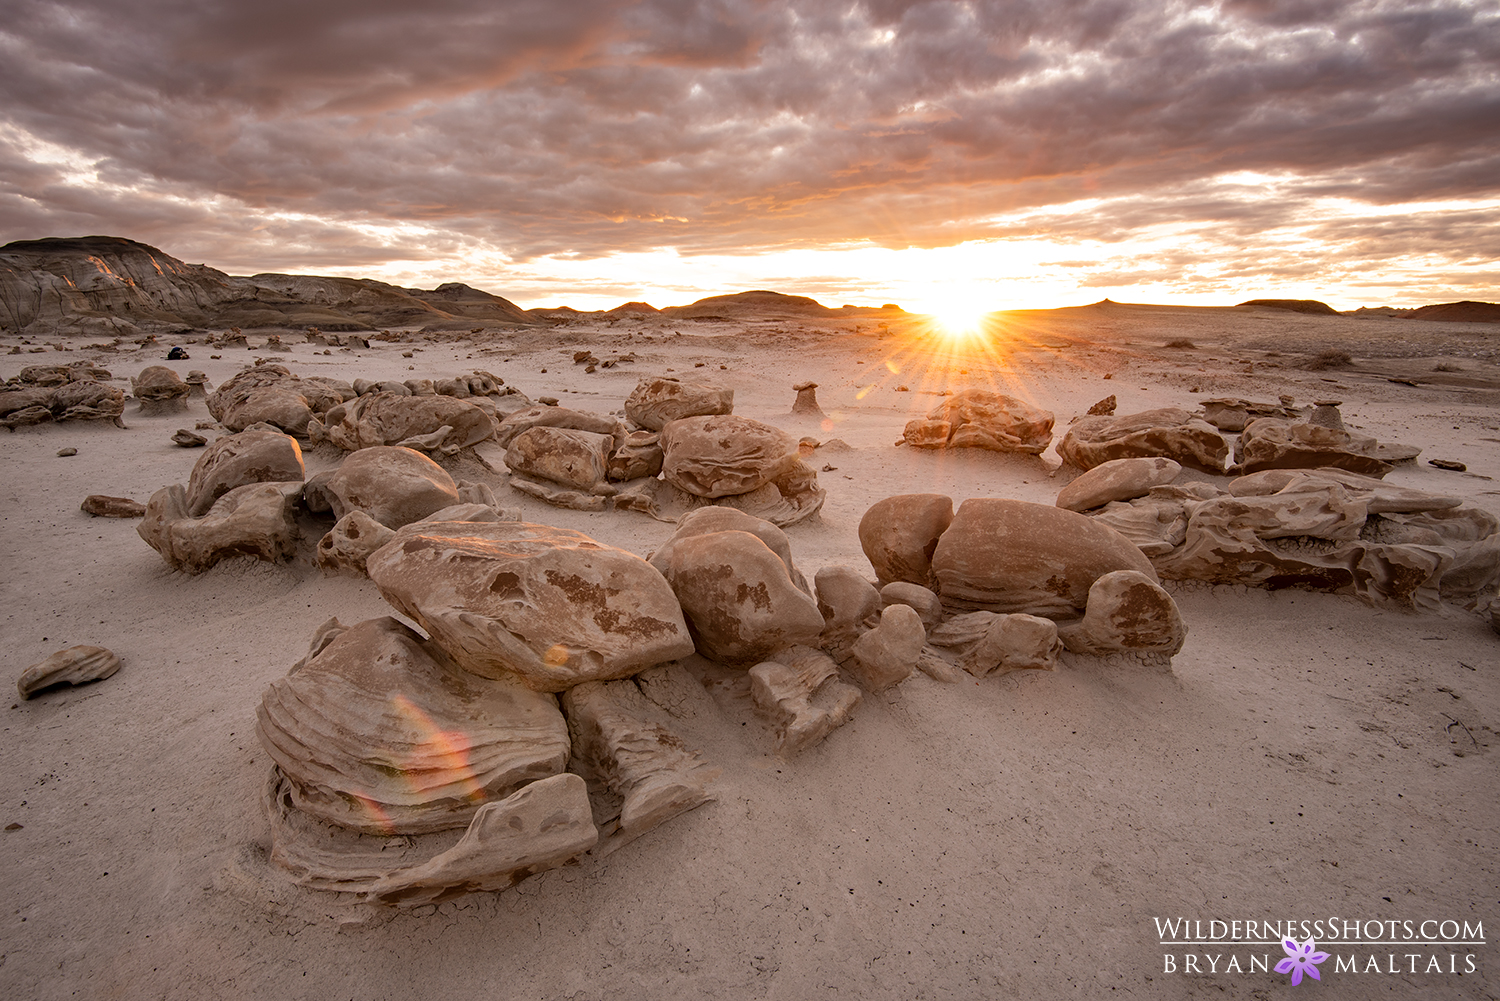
(960, 321)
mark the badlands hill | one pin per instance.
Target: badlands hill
(110, 286)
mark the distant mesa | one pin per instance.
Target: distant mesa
(1312, 306)
(1467, 310)
(635, 307)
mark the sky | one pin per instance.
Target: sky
(936, 154)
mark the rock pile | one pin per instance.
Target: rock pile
(380, 732)
(1323, 529)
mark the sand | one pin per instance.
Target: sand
(1309, 756)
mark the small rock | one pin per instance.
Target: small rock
(1457, 467)
(73, 666)
(547, 401)
(188, 439)
(807, 399)
(1104, 408)
(63, 453)
(102, 506)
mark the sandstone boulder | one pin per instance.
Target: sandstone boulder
(656, 402)
(86, 401)
(625, 744)
(1168, 432)
(1118, 479)
(704, 521)
(441, 424)
(258, 519)
(1014, 556)
(802, 695)
(887, 655)
(351, 541)
(737, 597)
(899, 535)
(926, 603)
(981, 418)
(577, 459)
(845, 600)
(1128, 612)
(555, 417)
(377, 730)
(235, 460)
(550, 605)
(395, 486)
(988, 643)
(724, 455)
(1272, 443)
(639, 455)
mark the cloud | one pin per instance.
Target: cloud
(352, 131)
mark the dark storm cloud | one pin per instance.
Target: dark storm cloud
(585, 128)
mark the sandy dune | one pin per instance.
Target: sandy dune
(1310, 756)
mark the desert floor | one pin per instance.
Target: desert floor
(1310, 756)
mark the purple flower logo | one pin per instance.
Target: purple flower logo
(1300, 959)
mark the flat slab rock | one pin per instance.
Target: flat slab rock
(547, 604)
(76, 665)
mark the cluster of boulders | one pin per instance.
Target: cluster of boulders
(679, 448)
(1324, 529)
(519, 719)
(1270, 436)
(440, 416)
(43, 393)
(1010, 584)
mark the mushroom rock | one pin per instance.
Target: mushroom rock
(707, 520)
(899, 534)
(394, 485)
(351, 541)
(1128, 612)
(76, 665)
(802, 695)
(988, 642)
(257, 519)
(578, 459)
(737, 597)
(1168, 432)
(86, 401)
(555, 417)
(548, 604)
(981, 418)
(1118, 479)
(887, 655)
(624, 743)
(160, 391)
(442, 424)
(927, 604)
(1270, 443)
(1014, 556)
(378, 731)
(237, 459)
(723, 455)
(658, 401)
(197, 383)
(807, 400)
